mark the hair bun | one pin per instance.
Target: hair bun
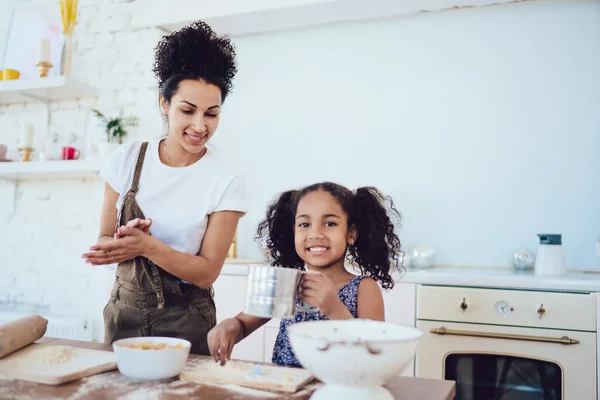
(196, 50)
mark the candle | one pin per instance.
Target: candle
(45, 50)
(26, 135)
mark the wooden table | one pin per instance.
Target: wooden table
(112, 385)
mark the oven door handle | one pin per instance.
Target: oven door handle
(562, 340)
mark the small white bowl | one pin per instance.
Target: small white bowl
(354, 358)
(151, 364)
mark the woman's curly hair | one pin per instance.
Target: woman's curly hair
(376, 251)
(194, 52)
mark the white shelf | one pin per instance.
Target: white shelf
(243, 17)
(46, 170)
(43, 89)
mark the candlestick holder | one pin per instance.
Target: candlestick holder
(25, 153)
(232, 253)
(43, 67)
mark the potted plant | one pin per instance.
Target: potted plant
(115, 129)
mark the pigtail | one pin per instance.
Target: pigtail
(276, 231)
(376, 250)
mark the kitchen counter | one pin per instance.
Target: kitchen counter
(573, 281)
(113, 385)
(503, 278)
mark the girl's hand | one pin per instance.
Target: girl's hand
(223, 337)
(319, 291)
(142, 224)
(134, 244)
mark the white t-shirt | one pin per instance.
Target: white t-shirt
(179, 200)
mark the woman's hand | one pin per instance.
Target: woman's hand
(134, 243)
(223, 337)
(319, 291)
(142, 224)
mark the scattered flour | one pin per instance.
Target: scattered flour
(40, 355)
(89, 385)
(20, 390)
(129, 389)
(232, 368)
(124, 388)
(246, 378)
(236, 371)
(156, 393)
(246, 391)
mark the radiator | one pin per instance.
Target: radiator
(58, 327)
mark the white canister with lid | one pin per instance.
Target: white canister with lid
(550, 260)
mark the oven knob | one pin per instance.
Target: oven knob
(463, 304)
(541, 311)
(503, 308)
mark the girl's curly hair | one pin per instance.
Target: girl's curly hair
(376, 251)
(194, 52)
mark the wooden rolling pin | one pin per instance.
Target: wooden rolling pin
(21, 332)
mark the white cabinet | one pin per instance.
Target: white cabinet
(270, 336)
(400, 309)
(400, 304)
(229, 298)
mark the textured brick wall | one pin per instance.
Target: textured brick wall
(43, 234)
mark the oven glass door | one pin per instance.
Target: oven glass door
(503, 377)
(490, 362)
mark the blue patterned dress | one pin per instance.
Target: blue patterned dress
(282, 351)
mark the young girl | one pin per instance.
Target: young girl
(321, 226)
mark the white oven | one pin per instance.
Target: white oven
(508, 344)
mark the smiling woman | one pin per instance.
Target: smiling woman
(171, 205)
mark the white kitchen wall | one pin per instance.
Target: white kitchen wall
(482, 124)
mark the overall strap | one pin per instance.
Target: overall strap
(138, 168)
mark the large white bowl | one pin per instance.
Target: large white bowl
(151, 364)
(354, 358)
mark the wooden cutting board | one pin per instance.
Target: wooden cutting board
(55, 364)
(242, 373)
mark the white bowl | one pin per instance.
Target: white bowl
(151, 364)
(354, 358)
